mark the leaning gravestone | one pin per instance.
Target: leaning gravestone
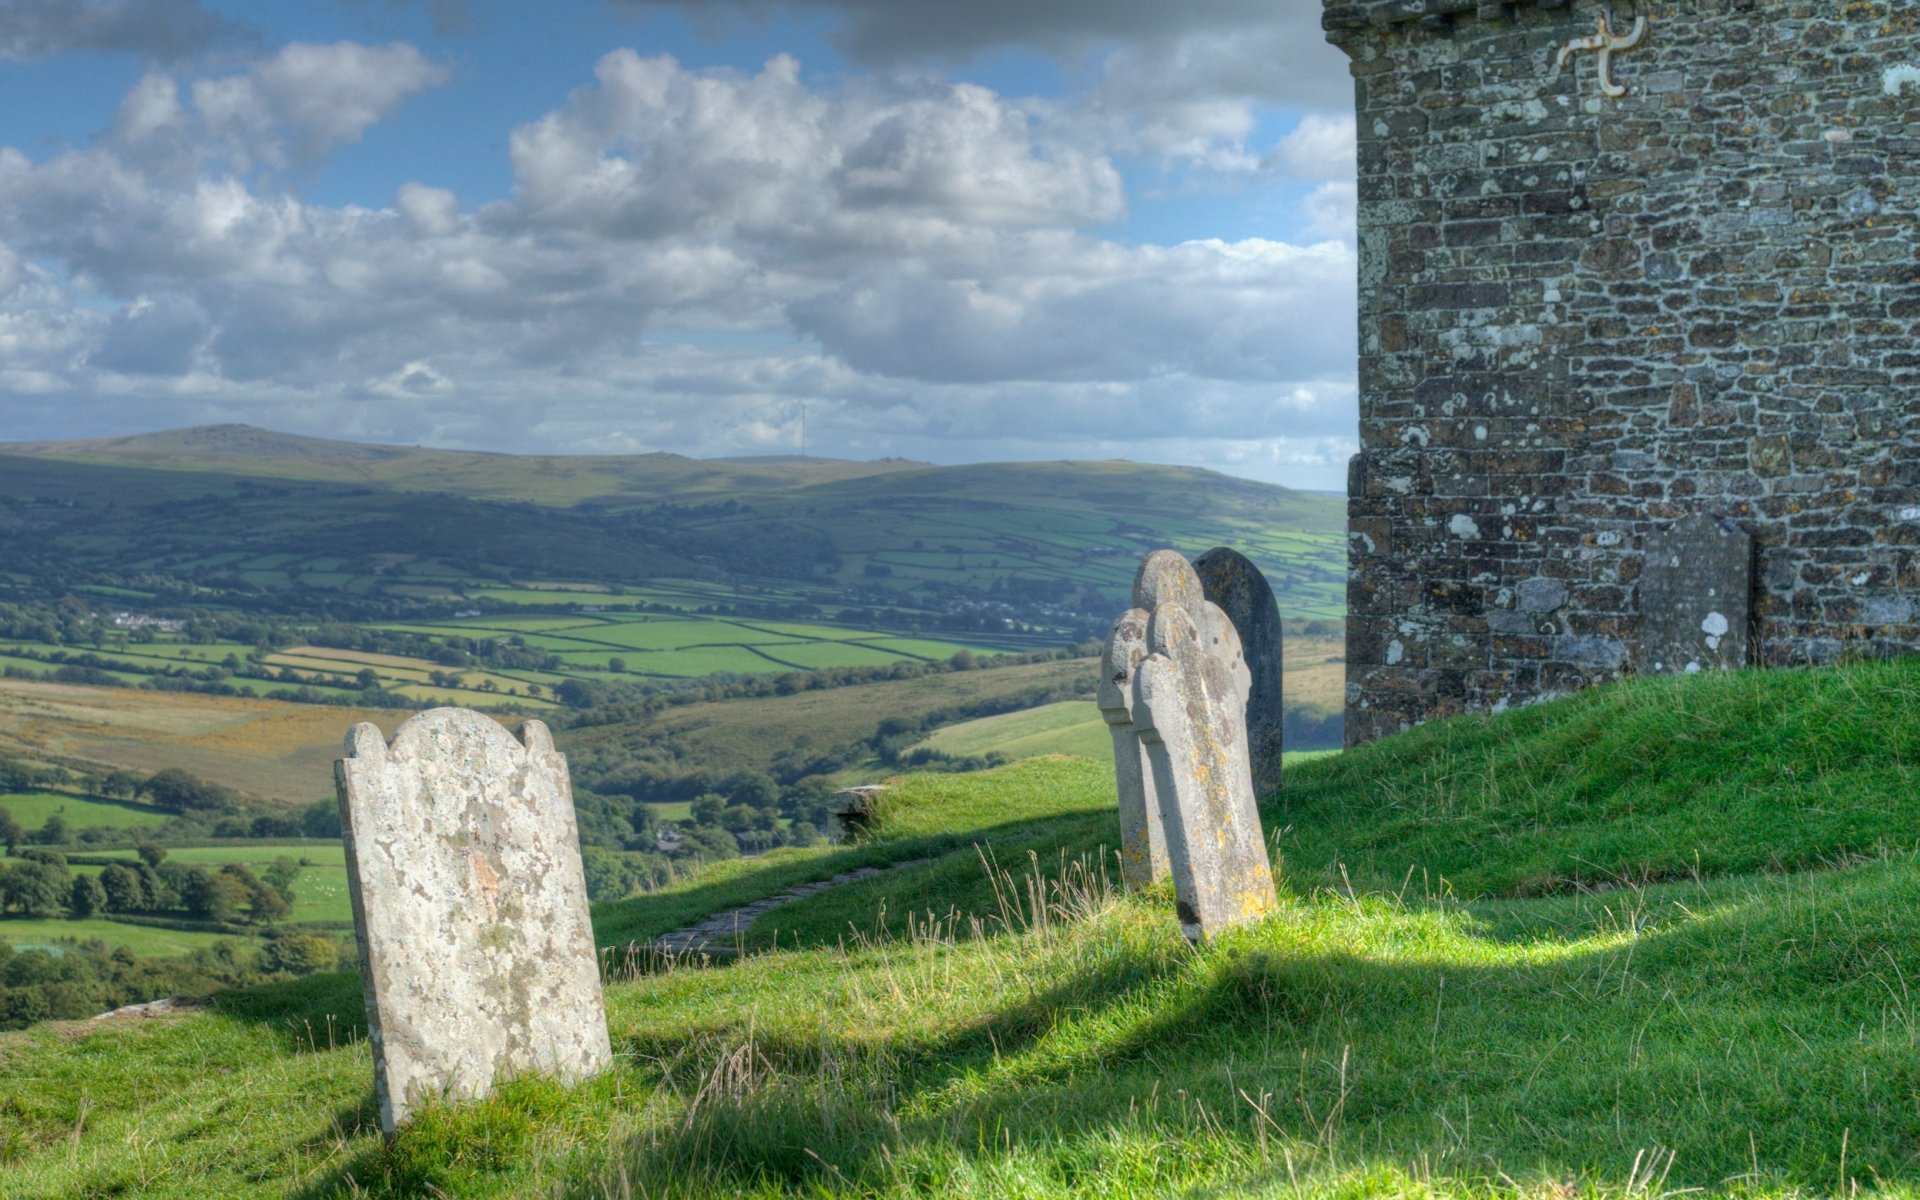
(463, 861)
(1231, 581)
(1696, 597)
(1189, 705)
(1164, 577)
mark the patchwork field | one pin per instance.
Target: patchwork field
(601, 647)
(1070, 727)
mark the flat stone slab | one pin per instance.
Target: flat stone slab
(1696, 598)
(477, 956)
(169, 1006)
(1229, 579)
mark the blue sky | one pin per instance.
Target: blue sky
(1075, 229)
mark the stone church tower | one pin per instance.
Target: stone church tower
(1639, 306)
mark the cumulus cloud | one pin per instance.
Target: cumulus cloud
(163, 30)
(686, 257)
(307, 99)
(1320, 147)
(657, 151)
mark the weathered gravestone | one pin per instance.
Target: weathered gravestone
(1164, 577)
(463, 861)
(1231, 581)
(1143, 838)
(1188, 713)
(1696, 597)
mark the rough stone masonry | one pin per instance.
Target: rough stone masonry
(1586, 317)
(463, 862)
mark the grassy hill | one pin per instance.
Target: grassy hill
(271, 750)
(1655, 938)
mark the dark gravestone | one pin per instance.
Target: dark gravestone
(1231, 581)
(1696, 598)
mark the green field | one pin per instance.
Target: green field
(27, 932)
(320, 890)
(320, 897)
(1069, 727)
(31, 810)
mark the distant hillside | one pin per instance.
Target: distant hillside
(232, 514)
(547, 479)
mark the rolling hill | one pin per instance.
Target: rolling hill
(232, 514)
(1652, 940)
(555, 480)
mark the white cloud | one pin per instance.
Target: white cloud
(307, 99)
(656, 151)
(415, 379)
(1333, 208)
(1320, 147)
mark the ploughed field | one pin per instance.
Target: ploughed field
(1655, 938)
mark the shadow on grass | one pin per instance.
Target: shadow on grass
(314, 1014)
(1743, 1043)
(817, 919)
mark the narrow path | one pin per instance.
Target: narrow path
(719, 933)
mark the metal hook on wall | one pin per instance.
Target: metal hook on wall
(1606, 43)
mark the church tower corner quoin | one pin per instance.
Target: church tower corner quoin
(1624, 270)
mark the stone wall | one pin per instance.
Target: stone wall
(1583, 318)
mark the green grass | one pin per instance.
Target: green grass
(31, 809)
(1655, 938)
(1072, 727)
(1069, 727)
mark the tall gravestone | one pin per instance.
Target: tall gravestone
(1163, 577)
(1230, 580)
(1188, 714)
(463, 861)
(1696, 597)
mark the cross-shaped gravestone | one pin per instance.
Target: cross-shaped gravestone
(1185, 717)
